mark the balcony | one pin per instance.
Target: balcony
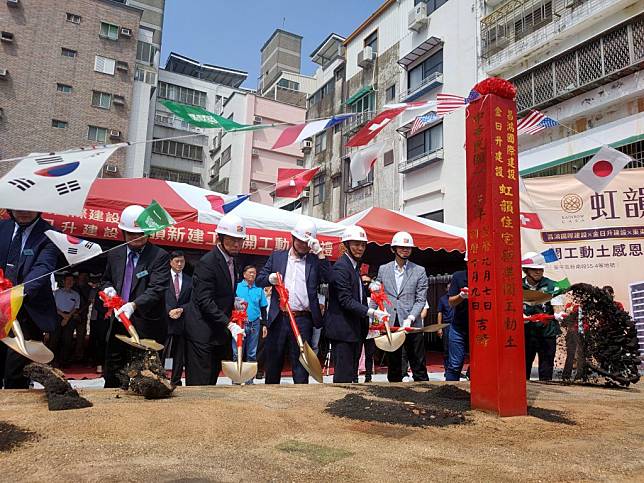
(354, 123)
(408, 165)
(519, 27)
(174, 123)
(220, 186)
(428, 83)
(598, 61)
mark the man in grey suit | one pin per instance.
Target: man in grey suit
(405, 284)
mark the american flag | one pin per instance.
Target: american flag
(448, 103)
(422, 121)
(535, 122)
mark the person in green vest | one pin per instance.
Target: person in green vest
(540, 337)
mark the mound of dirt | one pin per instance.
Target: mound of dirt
(146, 376)
(60, 394)
(12, 436)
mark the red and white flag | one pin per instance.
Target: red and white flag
(373, 127)
(292, 181)
(362, 161)
(530, 221)
(300, 132)
(602, 168)
(74, 249)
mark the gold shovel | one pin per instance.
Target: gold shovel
(390, 341)
(31, 349)
(238, 371)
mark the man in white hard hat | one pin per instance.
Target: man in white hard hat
(405, 284)
(540, 338)
(138, 272)
(303, 268)
(208, 328)
(347, 318)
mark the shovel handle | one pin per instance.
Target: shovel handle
(240, 341)
(280, 290)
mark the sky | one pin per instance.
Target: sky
(229, 33)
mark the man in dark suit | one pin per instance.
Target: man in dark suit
(177, 297)
(138, 272)
(303, 268)
(207, 324)
(25, 255)
(347, 318)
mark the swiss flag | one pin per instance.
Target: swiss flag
(292, 181)
(373, 127)
(530, 220)
(602, 168)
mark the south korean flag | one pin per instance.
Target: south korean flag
(54, 183)
(74, 249)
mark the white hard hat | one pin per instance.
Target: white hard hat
(304, 230)
(231, 225)
(402, 239)
(354, 233)
(128, 219)
(531, 256)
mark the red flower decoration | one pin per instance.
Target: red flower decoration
(497, 86)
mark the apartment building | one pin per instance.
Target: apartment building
(67, 75)
(187, 81)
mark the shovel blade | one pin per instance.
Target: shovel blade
(239, 373)
(36, 351)
(145, 344)
(384, 343)
(431, 328)
(311, 363)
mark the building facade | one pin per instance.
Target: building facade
(245, 162)
(577, 61)
(187, 81)
(67, 76)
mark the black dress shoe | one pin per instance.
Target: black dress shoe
(260, 375)
(367, 378)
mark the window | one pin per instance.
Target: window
(109, 31)
(226, 155)
(363, 107)
(68, 52)
(325, 91)
(534, 20)
(425, 142)
(350, 182)
(178, 150)
(299, 162)
(318, 189)
(320, 142)
(390, 93)
(146, 76)
(181, 94)
(339, 74)
(95, 133)
(432, 5)
(63, 88)
(104, 65)
(173, 175)
(388, 158)
(423, 71)
(73, 18)
(6, 36)
(58, 124)
(438, 215)
(372, 41)
(289, 84)
(101, 99)
(145, 52)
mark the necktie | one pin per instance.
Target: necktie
(231, 269)
(127, 277)
(177, 288)
(13, 256)
(359, 281)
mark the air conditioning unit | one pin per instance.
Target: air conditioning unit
(306, 193)
(253, 186)
(13, 3)
(125, 32)
(366, 57)
(111, 168)
(258, 120)
(122, 65)
(115, 133)
(4, 73)
(254, 153)
(6, 36)
(417, 17)
(306, 144)
(120, 100)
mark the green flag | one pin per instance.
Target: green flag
(154, 218)
(198, 116)
(561, 285)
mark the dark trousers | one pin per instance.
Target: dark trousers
(369, 351)
(175, 348)
(203, 362)
(346, 357)
(445, 347)
(61, 341)
(415, 347)
(117, 354)
(281, 341)
(12, 363)
(97, 340)
(260, 352)
(545, 347)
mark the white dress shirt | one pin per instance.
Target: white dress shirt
(399, 274)
(295, 282)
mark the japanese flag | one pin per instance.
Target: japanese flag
(363, 160)
(74, 249)
(602, 168)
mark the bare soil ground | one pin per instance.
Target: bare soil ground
(325, 433)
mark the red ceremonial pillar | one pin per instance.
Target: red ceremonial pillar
(497, 350)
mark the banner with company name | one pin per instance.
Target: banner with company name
(598, 237)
